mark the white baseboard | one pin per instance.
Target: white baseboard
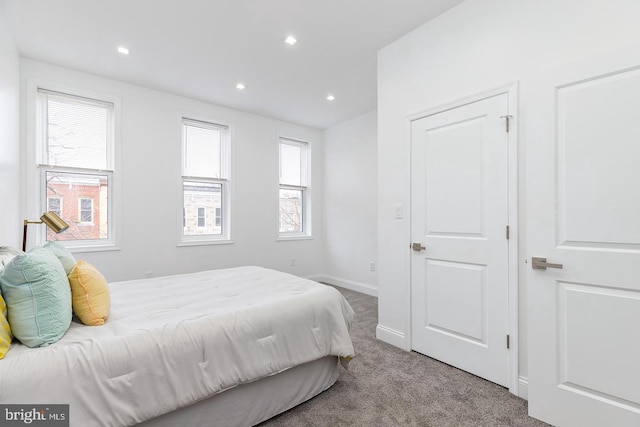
(363, 288)
(391, 336)
(523, 388)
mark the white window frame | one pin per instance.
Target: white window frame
(305, 188)
(37, 91)
(224, 181)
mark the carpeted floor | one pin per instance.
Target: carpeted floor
(386, 386)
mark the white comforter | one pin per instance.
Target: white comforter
(172, 341)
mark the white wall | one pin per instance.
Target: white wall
(148, 197)
(10, 221)
(477, 46)
(350, 203)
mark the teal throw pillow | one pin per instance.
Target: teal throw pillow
(38, 296)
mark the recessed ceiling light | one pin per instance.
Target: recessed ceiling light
(240, 86)
(290, 40)
(123, 50)
(330, 97)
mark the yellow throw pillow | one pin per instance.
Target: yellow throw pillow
(5, 330)
(90, 297)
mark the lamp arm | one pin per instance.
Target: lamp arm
(24, 234)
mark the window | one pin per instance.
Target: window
(294, 188)
(75, 158)
(201, 217)
(218, 217)
(205, 181)
(54, 204)
(86, 211)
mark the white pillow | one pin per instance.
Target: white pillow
(7, 253)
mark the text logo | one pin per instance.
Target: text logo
(34, 415)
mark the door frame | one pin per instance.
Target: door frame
(511, 90)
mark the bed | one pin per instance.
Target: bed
(221, 347)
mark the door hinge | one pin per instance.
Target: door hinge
(507, 232)
(508, 343)
(506, 121)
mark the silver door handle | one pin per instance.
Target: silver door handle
(417, 247)
(542, 264)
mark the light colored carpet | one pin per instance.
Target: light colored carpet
(386, 386)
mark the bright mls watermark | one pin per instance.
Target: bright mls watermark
(34, 415)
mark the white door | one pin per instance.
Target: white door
(583, 197)
(459, 213)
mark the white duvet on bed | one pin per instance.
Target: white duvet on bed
(172, 341)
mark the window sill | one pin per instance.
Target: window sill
(92, 248)
(205, 243)
(284, 238)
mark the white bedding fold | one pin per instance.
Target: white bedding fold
(172, 341)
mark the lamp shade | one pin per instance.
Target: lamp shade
(54, 222)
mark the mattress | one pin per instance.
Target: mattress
(173, 341)
(250, 404)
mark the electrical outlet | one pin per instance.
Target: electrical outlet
(293, 262)
(372, 266)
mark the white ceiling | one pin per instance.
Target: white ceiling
(202, 48)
